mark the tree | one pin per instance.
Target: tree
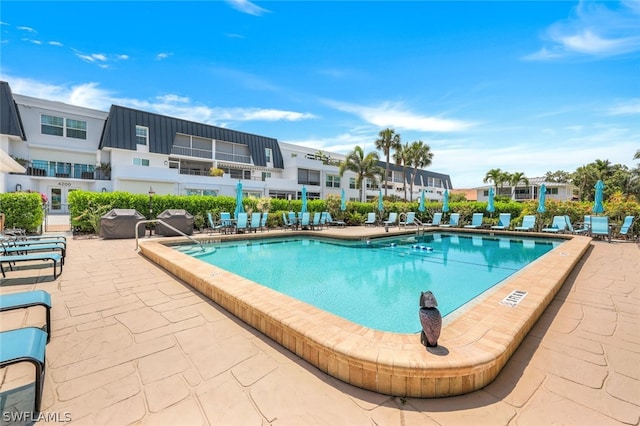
(420, 156)
(496, 176)
(637, 155)
(364, 166)
(388, 140)
(604, 168)
(515, 179)
(401, 158)
(559, 176)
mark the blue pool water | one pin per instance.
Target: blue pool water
(378, 283)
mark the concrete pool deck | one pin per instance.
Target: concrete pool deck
(133, 344)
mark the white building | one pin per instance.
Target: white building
(559, 191)
(65, 148)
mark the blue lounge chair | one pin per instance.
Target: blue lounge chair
(528, 223)
(26, 345)
(600, 227)
(242, 222)
(454, 220)
(255, 222)
(409, 219)
(559, 224)
(332, 222)
(626, 227)
(323, 219)
(504, 220)
(316, 221)
(27, 299)
(476, 221)
(293, 220)
(226, 225)
(263, 222)
(30, 248)
(391, 220)
(573, 230)
(305, 220)
(371, 219)
(437, 219)
(10, 259)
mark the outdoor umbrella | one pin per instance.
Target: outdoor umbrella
(445, 201)
(421, 205)
(343, 201)
(597, 203)
(542, 198)
(239, 206)
(490, 206)
(380, 204)
(304, 200)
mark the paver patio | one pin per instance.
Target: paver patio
(132, 344)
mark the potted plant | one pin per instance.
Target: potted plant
(216, 172)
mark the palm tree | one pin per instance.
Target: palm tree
(401, 158)
(364, 166)
(604, 168)
(496, 176)
(637, 155)
(515, 179)
(420, 156)
(388, 140)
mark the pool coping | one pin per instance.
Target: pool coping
(472, 349)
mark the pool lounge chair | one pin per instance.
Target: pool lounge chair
(371, 219)
(454, 220)
(476, 221)
(28, 299)
(26, 249)
(600, 227)
(559, 224)
(409, 219)
(315, 224)
(571, 229)
(26, 345)
(305, 220)
(504, 220)
(626, 227)
(332, 222)
(10, 259)
(528, 223)
(391, 220)
(226, 225)
(254, 225)
(242, 222)
(437, 219)
(263, 222)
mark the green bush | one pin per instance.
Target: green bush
(22, 210)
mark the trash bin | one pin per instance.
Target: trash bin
(121, 223)
(182, 220)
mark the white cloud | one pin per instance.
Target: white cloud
(163, 55)
(593, 30)
(28, 29)
(397, 116)
(630, 107)
(55, 43)
(247, 7)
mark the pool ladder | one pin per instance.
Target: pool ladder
(168, 226)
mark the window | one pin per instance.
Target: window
(308, 177)
(552, 191)
(333, 181)
(208, 192)
(76, 129)
(352, 183)
(141, 162)
(269, 154)
(265, 175)
(52, 125)
(142, 135)
(485, 193)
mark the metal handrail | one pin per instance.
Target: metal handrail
(168, 226)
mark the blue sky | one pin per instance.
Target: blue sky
(522, 86)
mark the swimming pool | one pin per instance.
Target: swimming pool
(376, 283)
(473, 347)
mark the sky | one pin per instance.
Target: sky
(522, 86)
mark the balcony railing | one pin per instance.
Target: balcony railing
(65, 170)
(191, 152)
(236, 158)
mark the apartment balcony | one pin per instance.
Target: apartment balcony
(54, 169)
(235, 158)
(192, 152)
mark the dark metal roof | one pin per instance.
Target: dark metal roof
(120, 132)
(10, 122)
(446, 179)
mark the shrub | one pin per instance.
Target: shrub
(22, 210)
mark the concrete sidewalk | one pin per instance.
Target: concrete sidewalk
(131, 344)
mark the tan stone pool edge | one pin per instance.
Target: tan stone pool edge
(472, 349)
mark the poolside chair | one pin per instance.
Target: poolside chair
(528, 223)
(28, 299)
(504, 220)
(10, 249)
(371, 219)
(454, 220)
(315, 224)
(391, 220)
(305, 219)
(409, 219)
(437, 219)
(212, 225)
(263, 221)
(323, 219)
(476, 221)
(285, 220)
(255, 222)
(600, 227)
(293, 220)
(559, 224)
(26, 345)
(573, 230)
(330, 221)
(242, 222)
(626, 227)
(226, 225)
(11, 259)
